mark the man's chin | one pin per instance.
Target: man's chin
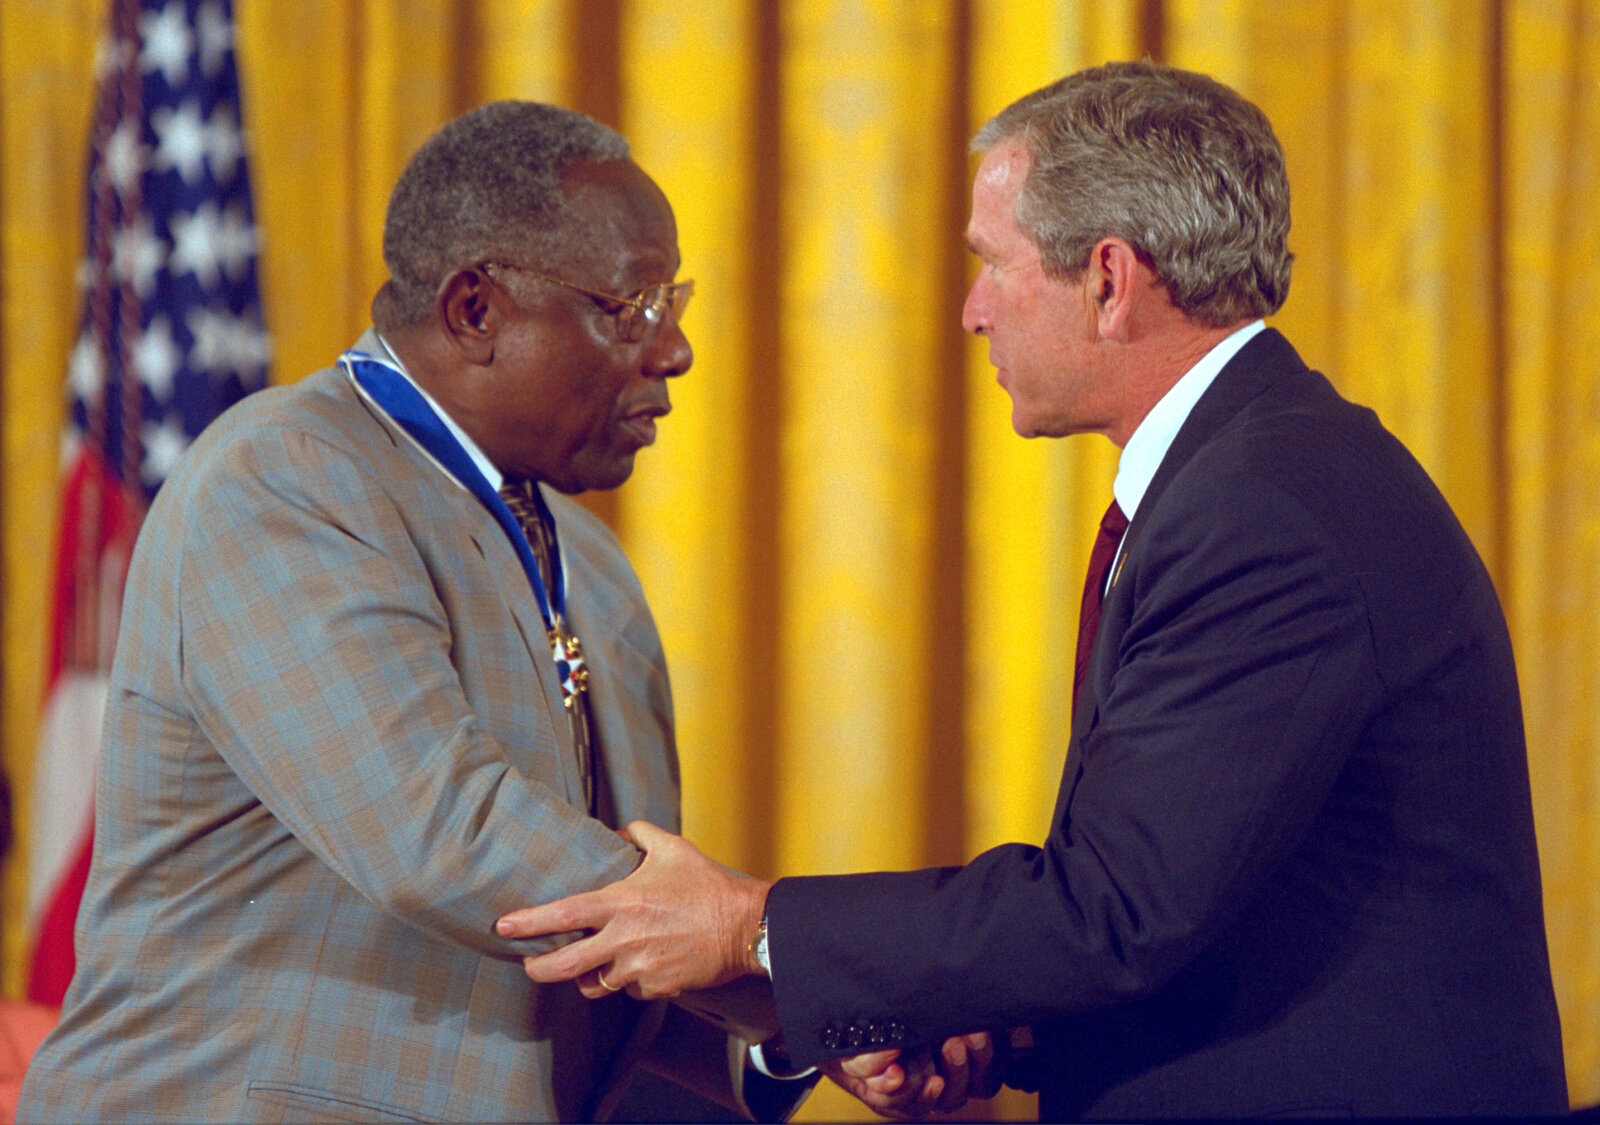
(1047, 423)
(611, 474)
(1025, 425)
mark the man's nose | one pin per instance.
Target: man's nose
(975, 312)
(668, 353)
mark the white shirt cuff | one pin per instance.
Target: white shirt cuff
(759, 1061)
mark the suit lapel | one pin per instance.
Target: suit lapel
(489, 539)
(530, 623)
(1260, 363)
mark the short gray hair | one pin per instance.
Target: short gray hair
(486, 184)
(1184, 169)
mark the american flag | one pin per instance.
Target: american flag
(171, 336)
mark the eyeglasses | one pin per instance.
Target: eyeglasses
(639, 315)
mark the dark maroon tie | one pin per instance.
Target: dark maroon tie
(1112, 525)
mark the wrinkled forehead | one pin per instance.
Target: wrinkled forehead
(614, 209)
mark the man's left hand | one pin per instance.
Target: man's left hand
(912, 1086)
(680, 922)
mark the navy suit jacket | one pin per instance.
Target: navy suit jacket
(1292, 866)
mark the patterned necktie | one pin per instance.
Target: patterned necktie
(564, 643)
(1112, 526)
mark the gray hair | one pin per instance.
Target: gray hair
(487, 182)
(1184, 169)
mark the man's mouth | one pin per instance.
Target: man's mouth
(641, 423)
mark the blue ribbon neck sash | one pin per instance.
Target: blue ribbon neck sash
(393, 393)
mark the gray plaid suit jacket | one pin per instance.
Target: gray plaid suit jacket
(334, 754)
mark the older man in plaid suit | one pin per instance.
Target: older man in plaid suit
(380, 682)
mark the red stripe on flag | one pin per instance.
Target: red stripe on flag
(99, 522)
(166, 343)
(53, 959)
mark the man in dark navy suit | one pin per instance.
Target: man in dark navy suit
(1292, 867)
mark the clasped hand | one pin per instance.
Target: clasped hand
(913, 1086)
(682, 922)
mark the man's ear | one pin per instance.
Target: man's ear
(469, 304)
(1111, 279)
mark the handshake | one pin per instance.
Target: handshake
(684, 923)
(916, 1085)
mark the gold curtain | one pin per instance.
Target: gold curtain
(46, 95)
(1550, 365)
(866, 583)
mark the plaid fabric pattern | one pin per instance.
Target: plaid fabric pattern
(335, 753)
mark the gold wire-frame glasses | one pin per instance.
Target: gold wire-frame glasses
(639, 315)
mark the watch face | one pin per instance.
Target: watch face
(762, 957)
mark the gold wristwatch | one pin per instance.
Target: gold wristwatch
(758, 946)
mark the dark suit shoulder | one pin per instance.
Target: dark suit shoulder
(1371, 497)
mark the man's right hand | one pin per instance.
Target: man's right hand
(681, 922)
(912, 1086)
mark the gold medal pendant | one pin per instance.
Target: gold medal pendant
(570, 668)
(573, 674)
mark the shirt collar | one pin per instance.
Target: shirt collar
(1143, 454)
(485, 466)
